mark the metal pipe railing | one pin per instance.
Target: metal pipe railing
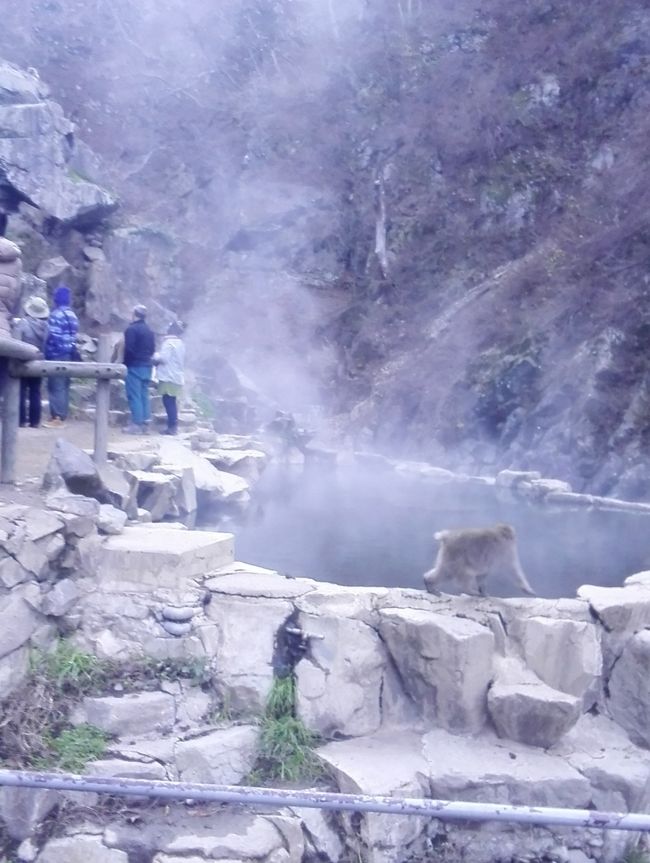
(445, 810)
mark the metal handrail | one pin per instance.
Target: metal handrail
(445, 810)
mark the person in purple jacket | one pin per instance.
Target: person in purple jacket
(60, 344)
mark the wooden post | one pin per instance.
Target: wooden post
(10, 418)
(102, 402)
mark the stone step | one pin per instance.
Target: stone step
(162, 557)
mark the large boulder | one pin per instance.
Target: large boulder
(339, 683)
(73, 469)
(532, 712)
(525, 709)
(214, 486)
(110, 519)
(629, 688)
(445, 664)
(245, 603)
(37, 149)
(565, 654)
(157, 493)
(183, 487)
(620, 608)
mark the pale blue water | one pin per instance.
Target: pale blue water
(359, 527)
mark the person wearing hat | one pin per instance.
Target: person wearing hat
(33, 330)
(60, 344)
(139, 348)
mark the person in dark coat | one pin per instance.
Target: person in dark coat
(32, 329)
(139, 348)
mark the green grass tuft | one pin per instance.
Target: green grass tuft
(67, 668)
(73, 748)
(35, 730)
(286, 750)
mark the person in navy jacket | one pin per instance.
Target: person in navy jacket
(139, 348)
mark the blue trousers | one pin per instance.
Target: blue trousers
(137, 393)
(58, 394)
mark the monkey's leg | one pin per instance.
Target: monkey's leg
(480, 583)
(434, 576)
(470, 581)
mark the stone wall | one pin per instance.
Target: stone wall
(525, 701)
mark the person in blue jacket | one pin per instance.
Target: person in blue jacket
(139, 348)
(60, 344)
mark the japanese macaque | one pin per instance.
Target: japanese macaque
(467, 557)
(285, 428)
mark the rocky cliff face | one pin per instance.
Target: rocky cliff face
(429, 218)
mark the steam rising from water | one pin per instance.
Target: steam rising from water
(358, 527)
(206, 117)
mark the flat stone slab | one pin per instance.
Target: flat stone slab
(381, 763)
(618, 770)
(451, 767)
(501, 771)
(156, 557)
(131, 715)
(256, 582)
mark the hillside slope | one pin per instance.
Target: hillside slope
(429, 218)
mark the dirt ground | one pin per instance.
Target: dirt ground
(34, 449)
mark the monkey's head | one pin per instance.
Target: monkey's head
(507, 531)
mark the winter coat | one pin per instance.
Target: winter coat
(11, 268)
(62, 329)
(33, 331)
(139, 344)
(171, 361)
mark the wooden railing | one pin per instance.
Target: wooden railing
(19, 360)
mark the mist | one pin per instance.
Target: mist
(415, 220)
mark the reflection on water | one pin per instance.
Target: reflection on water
(355, 527)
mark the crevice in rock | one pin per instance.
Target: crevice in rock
(597, 618)
(392, 667)
(290, 646)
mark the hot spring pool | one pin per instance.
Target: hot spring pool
(354, 526)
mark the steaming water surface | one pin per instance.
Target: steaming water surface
(355, 527)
